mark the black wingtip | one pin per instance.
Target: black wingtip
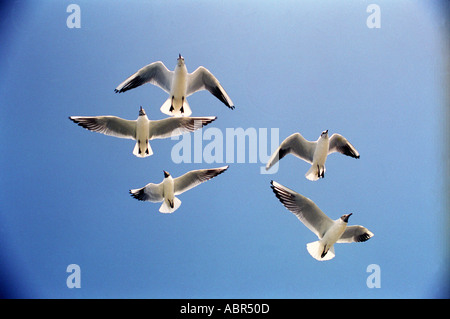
(273, 188)
(352, 154)
(276, 192)
(135, 195)
(74, 120)
(223, 170)
(362, 238)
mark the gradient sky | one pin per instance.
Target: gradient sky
(296, 66)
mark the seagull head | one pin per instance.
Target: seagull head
(141, 112)
(166, 174)
(180, 59)
(345, 217)
(324, 133)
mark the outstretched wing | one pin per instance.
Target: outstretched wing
(177, 125)
(296, 145)
(304, 208)
(338, 143)
(150, 192)
(203, 79)
(155, 73)
(355, 233)
(193, 178)
(108, 125)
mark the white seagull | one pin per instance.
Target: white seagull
(142, 130)
(178, 83)
(329, 231)
(166, 190)
(315, 153)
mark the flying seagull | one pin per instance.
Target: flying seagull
(166, 190)
(178, 83)
(142, 130)
(329, 231)
(314, 153)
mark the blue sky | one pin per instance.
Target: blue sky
(296, 66)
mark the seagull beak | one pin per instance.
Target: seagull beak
(166, 174)
(347, 216)
(141, 111)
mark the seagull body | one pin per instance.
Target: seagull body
(166, 190)
(315, 153)
(178, 92)
(142, 130)
(178, 83)
(171, 203)
(327, 230)
(142, 147)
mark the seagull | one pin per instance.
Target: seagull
(329, 231)
(314, 153)
(166, 190)
(178, 83)
(142, 130)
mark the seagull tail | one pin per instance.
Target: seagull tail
(314, 173)
(165, 108)
(144, 153)
(315, 249)
(165, 208)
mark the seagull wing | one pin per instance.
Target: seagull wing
(108, 125)
(177, 125)
(150, 192)
(202, 79)
(296, 145)
(355, 234)
(155, 73)
(304, 208)
(194, 178)
(338, 143)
